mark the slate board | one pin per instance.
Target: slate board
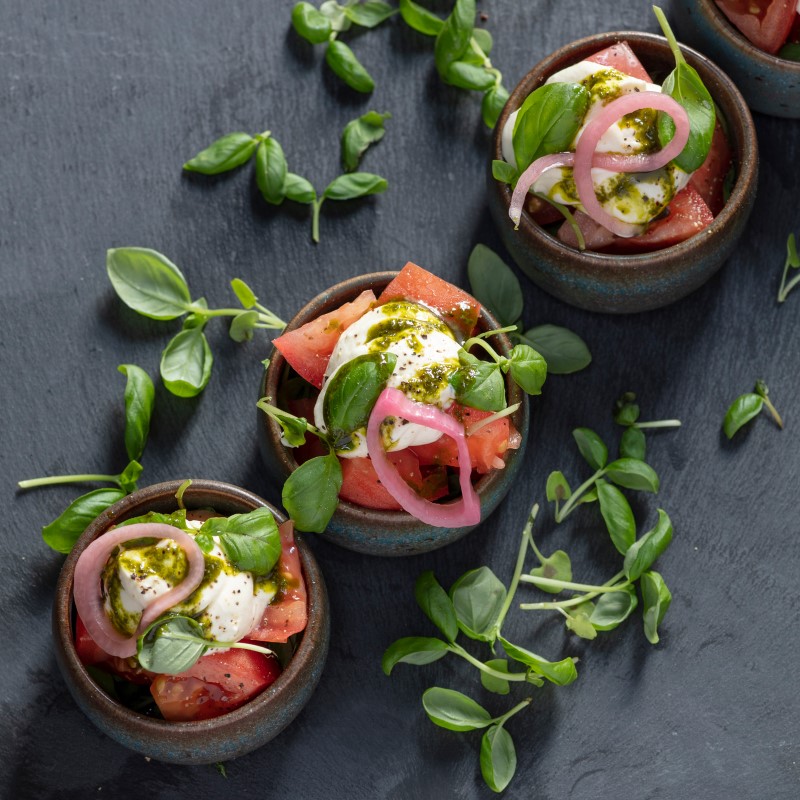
(101, 104)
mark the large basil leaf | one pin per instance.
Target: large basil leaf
(139, 398)
(62, 533)
(311, 493)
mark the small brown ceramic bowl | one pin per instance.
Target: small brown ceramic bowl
(631, 283)
(366, 530)
(232, 734)
(770, 84)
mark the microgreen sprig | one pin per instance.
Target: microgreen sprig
(793, 261)
(747, 407)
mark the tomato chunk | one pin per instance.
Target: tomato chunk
(454, 305)
(709, 179)
(308, 349)
(622, 58)
(92, 655)
(766, 23)
(216, 684)
(287, 614)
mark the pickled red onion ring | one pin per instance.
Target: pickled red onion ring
(586, 157)
(87, 583)
(530, 176)
(393, 403)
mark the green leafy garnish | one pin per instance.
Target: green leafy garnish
(747, 407)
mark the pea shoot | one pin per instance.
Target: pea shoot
(793, 261)
(747, 407)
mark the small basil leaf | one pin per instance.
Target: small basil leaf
(129, 476)
(557, 566)
(171, 646)
(271, 171)
(656, 599)
(139, 398)
(359, 134)
(503, 171)
(251, 541)
(453, 710)
(418, 650)
(244, 294)
(479, 384)
(311, 493)
(742, 410)
(483, 39)
(591, 447)
(468, 76)
(632, 444)
(495, 285)
(648, 548)
(633, 474)
(436, 605)
(478, 597)
(186, 363)
(243, 325)
(564, 351)
(454, 36)
(492, 105)
(369, 14)
(557, 488)
(559, 672)
(354, 185)
(343, 62)
(613, 608)
(299, 189)
(617, 515)
(492, 683)
(528, 369)
(498, 758)
(226, 153)
(62, 533)
(419, 18)
(313, 26)
(148, 282)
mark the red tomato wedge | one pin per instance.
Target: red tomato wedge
(288, 612)
(709, 180)
(766, 23)
(455, 306)
(92, 655)
(216, 684)
(486, 446)
(308, 349)
(622, 58)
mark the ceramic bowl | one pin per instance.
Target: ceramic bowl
(769, 84)
(232, 734)
(365, 530)
(631, 283)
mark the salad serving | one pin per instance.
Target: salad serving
(406, 405)
(771, 25)
(173, 611)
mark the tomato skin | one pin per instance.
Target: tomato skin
(308, 349)
(458, 309)
(769, 27)
(621, 57)
(709, 180)
(219, 682)
(91, 654)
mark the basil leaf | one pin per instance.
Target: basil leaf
(369, 14)
(454, 36)
(483, 39)
(557, 488)
(139, 398)
(656, 598)
(617, 515)
(243, 325)
(591, 447)
(299, 189)
(244, 294)
(453, 710)
(632, 444)
(271, 171)
(548, 121)
(436, 605)
(492, 105)
(62, 533)
(186, 363)
(492, 683)
(478, 597)
(148, 282)
(354, 185)
(495, 285)
(613, 608)
(633, 474)
(352, 392)
(312, 25)
(177, 519)
(343, 62)
(498, 758)
(564, 351)
(171, 646)
(557, 566)
(251, 541)
(464, 75)
(503, 171)
(559, 672)
(646, 550)
(685, 86)
(479, 384)
(419, 18)
(528, 369)
(742, 410)
(311, 493)
(129, 476)
(359, 134)
(226, 153)
(417, 650)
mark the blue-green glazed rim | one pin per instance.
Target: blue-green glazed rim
(207, 741)
(370, 531)
(631, 283)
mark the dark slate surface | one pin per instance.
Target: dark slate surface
(101, 104)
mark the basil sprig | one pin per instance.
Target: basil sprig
(276, 183)
(250, 541)
(747, 407)
(686, 87)
(150, 284)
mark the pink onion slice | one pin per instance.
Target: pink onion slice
(88, 590)
(393, 403)
(586, 157)
(530, 176)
